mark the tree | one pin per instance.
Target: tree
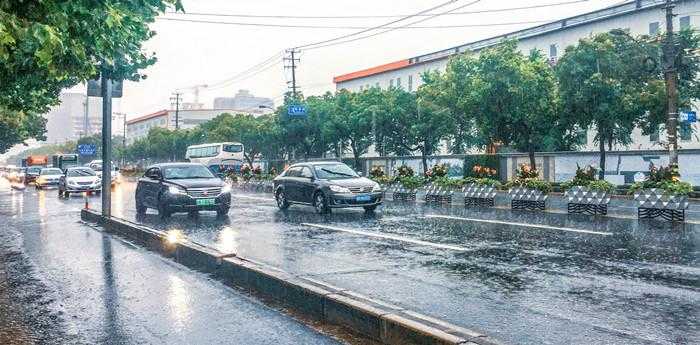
(517, 98)
(18, 126)
(600, 81)
(47, 46)
(455, 91)
(351, 121)
(308, 136)
(416, 123)
(254, 133)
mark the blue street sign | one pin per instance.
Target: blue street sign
(296, 110)
(688, 116)
(87, 149)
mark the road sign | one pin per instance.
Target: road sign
(296, 110)
(688, 116)
(87, 149)
(94, 88)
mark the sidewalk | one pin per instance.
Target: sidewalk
(62, 281)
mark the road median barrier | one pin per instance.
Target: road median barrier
(377, 320)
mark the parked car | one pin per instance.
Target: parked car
(79, 179)
(32, 174)
(48, 177)
(326, 185)
(182, 187)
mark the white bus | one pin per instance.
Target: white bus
(217, 156)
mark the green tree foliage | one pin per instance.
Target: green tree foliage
(308, 136)
(18, 126)
(352, 120)
(255, 133)
(46, 46)
(516, 95)
(600, 82)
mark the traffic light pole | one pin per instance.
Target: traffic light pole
(106, 146)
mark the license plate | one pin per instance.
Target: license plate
(363, 198)
(205, 202)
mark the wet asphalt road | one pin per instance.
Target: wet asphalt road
(572, 281)
(63, 282)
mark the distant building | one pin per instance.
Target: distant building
(187, 118)
(243, 101)
(66, 121)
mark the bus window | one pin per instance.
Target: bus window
(233, 148)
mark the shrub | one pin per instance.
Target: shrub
(411, 182)
(484, 161)
(383, 180)
(665, 178)
(479, 171)
(524, 172)
(437, 171)
(445, 181)
(585, 177)
(404, 171)
(484, 181)
(376, 172)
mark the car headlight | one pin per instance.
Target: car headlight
(376, 187)
(176, 190)
(226, 188)
(339, 189)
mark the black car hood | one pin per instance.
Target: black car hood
(197, 182)
(352, 182)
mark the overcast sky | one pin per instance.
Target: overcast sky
(202, 53)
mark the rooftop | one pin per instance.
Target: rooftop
(562, 24)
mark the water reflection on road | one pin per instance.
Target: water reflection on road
(615, 281)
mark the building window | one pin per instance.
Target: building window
(685, 22)
(391, 82)
(685, 131)
(654, 136)
(552, 50)
(361, 87)
(653, 28)
(410, 82)
(398, 82)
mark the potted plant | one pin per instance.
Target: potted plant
(662, 194)
(585, 194)
(440, 187)
(526, 190)
(480, 191)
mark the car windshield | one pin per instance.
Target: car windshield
(52, 171)
(33, 170)
(187, 171)
(334, 171)
(80, 172)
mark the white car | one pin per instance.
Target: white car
(77, 180)
(96, 165)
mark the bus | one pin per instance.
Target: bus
(64, 161)
(218, 157)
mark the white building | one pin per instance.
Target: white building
(186, 118)
(639, 17)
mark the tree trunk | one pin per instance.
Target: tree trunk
(533, 164)
(601, 144)
(249, 159)
(424, 160)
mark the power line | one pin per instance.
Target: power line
(378, 26)
(375, 16)
(391, 29)
(351, 27)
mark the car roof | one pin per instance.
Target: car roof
(315, 163)
(79, 168)
(181, 164)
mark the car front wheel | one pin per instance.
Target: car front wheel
(370, 208)
(321, 203)
(282, 201)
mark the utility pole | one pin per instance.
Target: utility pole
(106, 144)
(293, 66)
(85, 117)
(671, 77)
(176, 100)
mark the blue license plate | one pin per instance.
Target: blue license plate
(363, 198)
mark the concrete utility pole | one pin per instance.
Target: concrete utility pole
(176, 100)
(85, 118)
(106, 145)
(671, 76)
(293, 67)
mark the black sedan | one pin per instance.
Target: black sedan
(31, 175)
(182, 187)
(326, 185)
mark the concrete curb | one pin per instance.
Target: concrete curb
(374, 319)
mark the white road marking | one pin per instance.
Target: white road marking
(388, 237)
(251, 197)
(537, 226)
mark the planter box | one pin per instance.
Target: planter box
(522, 198)
(653, 203)
(477, 195)
(404, 194)
(438, 194)
(585, 200)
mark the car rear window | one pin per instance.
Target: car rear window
(51, 171)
